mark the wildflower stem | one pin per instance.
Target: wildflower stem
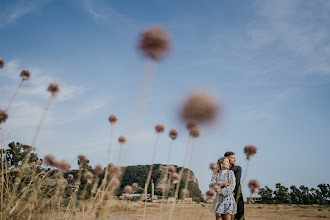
(12, 99)
(110, 142)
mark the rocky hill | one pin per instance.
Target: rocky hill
(138, 174)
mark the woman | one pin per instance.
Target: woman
(224, 203)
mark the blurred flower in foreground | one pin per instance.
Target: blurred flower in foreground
(214, 167)
(194, 132)
(154, 43)
(63, 166)
(250, 150)
(199, 107)
(175, 177)
(160, 128)
(2, 63)
(122, 140)
(70, 177)
(25, 74)
(112, 119)
(171, 169)
(190, 125)
(82, 158)
(49, 160)
(184, 193)
(98, 169)
(210, 194)
(89, 177)
(3, 116)
(254, 186)
(173, 134)
(128, 189)
(54, 89)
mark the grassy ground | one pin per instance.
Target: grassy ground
(202, 211)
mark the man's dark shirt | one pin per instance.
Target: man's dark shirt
(238, 172)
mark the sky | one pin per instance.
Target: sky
(266, 62)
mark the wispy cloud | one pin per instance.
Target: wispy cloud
(301, 27)
(15, 10)
(102, 11)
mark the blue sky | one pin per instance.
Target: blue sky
(268, 62)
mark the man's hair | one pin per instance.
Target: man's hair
(229, 153)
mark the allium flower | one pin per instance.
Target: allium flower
(173, 134)
(82, 158)
(115, 183)
(154, 43)
(63, 165)
(38, 162)
(114, 170)
(210, 194)
(2, 63)
(49, 160)
(214, 167)
(194, 132)
(70, 177)
(171, 169)
(254, 186)
(3, 116)
(184, 193)
(128, 189)
(122, 140)
(175, 177)
(135, 186)
(160, 128)
(98, 169)
(199, 107)
(112, 119)
(250, 150)
(53, 88)
(190, 125)
(25, 74)
(89, 177)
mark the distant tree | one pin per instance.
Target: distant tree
(281, 194)
(325, 192)
(17, 153)
(307, 198)
(295, 195)
(266, 195)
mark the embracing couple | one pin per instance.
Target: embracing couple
(227, 184)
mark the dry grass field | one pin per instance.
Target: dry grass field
(134, 211)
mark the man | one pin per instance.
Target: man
(238, 189)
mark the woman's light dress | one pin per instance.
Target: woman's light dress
(225, 202)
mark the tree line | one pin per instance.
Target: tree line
(295, 195)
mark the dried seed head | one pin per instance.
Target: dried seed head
(128, 189)
(49, 160)
(25, 74)
(135, 186)
(112, 119)
(171, 169)
(3, 116)
(122, 140)
(214, 167)
(184, 193)
(115, 183)
(210, 194)
(154, 43)
(254, 186)
(160, 128)
(199, 107)
(98, 169)
(173, 134)
(89, 177)
(63, 165)
(194, 132)
(190, 125)
(70, 177)
(175, 177)
(82, 158)
(2, 63)
(250, 150)
(53, 88)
